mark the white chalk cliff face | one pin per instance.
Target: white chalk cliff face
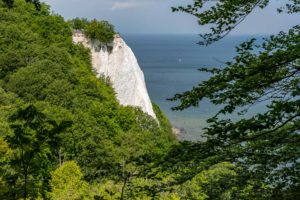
(121, 66)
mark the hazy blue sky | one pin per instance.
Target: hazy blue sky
(155, 16)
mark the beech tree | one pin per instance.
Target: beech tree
(267, 144)
(67, 183)
(34, 141)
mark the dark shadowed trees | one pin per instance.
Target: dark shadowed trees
(36, 3)
(34, 140)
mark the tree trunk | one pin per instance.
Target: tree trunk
(25, 185)
(123, 188)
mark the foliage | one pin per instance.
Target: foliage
(213, 183)
(34, 141)
(53, 109)
(102, 31)
(266, 145)
(226, 15)
(107, 190)
(9, 3)
(67, 183)
(5, 155)
(63, 133)
(78, 23)
(36, 3)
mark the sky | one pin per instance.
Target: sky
(155, 16)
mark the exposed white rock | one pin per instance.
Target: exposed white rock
(121, 66)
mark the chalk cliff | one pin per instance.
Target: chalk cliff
(121, 66)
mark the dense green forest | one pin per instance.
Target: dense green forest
(58, 119)
(64, 136)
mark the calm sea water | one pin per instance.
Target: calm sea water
(170, 64)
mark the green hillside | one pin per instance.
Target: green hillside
(54, 110)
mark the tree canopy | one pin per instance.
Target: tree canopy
(67, 183)
(102, 31)
(36, 3)
(53, 109)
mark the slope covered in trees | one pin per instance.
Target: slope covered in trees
(53, 109)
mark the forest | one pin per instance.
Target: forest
(64, 136)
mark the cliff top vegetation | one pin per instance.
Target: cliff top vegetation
(102, 31)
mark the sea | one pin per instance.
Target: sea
(170, 64)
